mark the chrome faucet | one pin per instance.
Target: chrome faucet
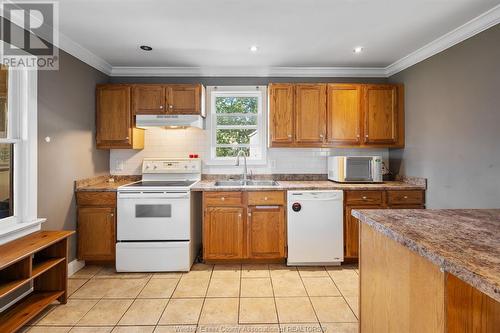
(245, 171)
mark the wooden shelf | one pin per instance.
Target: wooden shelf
(40, 258)
(27, 245)
(26, 309)
(40, 267)
(7, 287)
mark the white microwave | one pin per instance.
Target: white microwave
(355, 169)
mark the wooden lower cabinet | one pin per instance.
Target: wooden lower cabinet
(96, 226)
(96, 233)
(235, 230)
(266, 232)
(393, 199)
(223, 233)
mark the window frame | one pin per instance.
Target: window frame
(22, 132)
(237, 91)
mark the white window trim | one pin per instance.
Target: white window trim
(22, 97)
(262, 122)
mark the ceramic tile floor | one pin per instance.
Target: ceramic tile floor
(208, 299)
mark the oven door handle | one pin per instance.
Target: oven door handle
(153, 195)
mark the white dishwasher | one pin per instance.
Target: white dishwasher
(315, 227)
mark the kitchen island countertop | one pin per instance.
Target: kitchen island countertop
(463, 242)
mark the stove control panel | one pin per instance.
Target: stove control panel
(171, 165)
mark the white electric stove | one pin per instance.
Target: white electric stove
(159, 222)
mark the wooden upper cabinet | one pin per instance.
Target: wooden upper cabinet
(148, 99)
(281, 104)
(114, 119)
(184, 99)
(310, 113)
(380, 108)
(344, 114)
(223, 233)
(266, 232)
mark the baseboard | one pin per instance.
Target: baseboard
(75, 266)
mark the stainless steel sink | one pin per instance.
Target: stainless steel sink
(246, 183)
(261, 183)
(230, 183)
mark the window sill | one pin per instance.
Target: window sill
(14, 230)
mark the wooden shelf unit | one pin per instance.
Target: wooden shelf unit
(40, 258)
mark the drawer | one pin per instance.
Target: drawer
(266, 198)
(364, 197)
(222, 198)
(405, 197)
(106, 199)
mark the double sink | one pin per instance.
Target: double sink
(239, 183)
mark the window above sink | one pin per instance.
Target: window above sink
(237, 122)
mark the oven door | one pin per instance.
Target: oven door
(153, 216)
(358, 169)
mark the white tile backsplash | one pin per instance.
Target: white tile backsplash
(160, 142)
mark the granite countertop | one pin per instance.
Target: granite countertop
(463, 242)
(103, 183)
(283, 185)
(285, 182)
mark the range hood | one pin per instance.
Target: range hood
(172, 121)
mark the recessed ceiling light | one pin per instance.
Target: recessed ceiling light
(146, 48)
(253, 48)
(358, 49)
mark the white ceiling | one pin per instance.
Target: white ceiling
(289, 33)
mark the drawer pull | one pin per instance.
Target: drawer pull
(364, 198)
(223, 198)
(265, 198)
(406, 197)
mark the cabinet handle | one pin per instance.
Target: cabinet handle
(289, 135)
(126, 138)
(321, 136)
(358, 136)
(249, 214)
(111, 214)
(366, 135)
(265, 198)
(161, 106)
(239, 215)
(170, 106)
(364, 198)
(406, 197)
(223, 198)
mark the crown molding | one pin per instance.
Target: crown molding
(473, 27)
(250, 71)
(76, 50)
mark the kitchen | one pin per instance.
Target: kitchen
(224, 191)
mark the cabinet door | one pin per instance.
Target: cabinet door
(281, 100)
(183, 99)
(351, 231)
(344, 114)
(113, 116)
(266, 232)
(148, 99)
(96, 233)
(310, 116)
(223, 233)
(380, 108)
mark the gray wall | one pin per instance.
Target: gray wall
(66, 111)
(453, 124)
